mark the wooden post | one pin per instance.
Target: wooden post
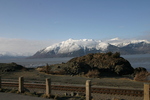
(146, 91)
(0, 82)
(21, 85)
(48, 87)
(88, 90)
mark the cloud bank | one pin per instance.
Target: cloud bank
(22, 47)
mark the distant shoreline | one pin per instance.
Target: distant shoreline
(137, 60)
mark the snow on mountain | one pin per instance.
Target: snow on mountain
(74, 45)
(124, 42)
(71, 45)
(84, 46)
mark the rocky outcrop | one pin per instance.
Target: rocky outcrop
(10, 67)
(141, 74)
(139, 70)
(106, 64)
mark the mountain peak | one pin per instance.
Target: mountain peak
(72, 47)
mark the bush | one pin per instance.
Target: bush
(93, 74)
(116, 55)
(109, 53)
(141, 76)
(138, 70)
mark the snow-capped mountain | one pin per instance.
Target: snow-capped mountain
(72, 48)
(124, 42)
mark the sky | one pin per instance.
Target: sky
(36, 24)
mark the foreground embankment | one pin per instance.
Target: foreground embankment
(34, 76)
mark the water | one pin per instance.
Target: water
(139, 60)
(35, 62)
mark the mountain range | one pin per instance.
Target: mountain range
(75, 48)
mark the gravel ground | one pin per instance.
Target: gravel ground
(97, 96)
(117, 82)
(118, 97)
(13, 96)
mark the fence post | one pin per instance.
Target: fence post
(48, 87)
(88, 90)
(0, 82)
(21, 84)
(146, 91)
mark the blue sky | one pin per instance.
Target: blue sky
(58, 20)
(63, 19)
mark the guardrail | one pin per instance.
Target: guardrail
(87, 89)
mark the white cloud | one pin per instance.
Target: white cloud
(22, 46)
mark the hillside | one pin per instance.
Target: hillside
(10, 67)
(98, 64)
(76, 48)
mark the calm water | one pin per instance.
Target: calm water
(35, 62)
(140, 60)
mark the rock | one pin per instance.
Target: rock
(66, 94)
(139, 69)
(80, 94)
(10, 67)
(107, 64)
(73, 94)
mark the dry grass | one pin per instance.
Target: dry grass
(93, 74)
(141, 76)
(34, 76)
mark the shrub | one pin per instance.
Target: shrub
(141, 76)
(109, 53)
(48, 68)
(138, 70)
(116, 55)
(93, 74)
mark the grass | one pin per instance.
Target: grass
(141, 76)
(33, 75)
